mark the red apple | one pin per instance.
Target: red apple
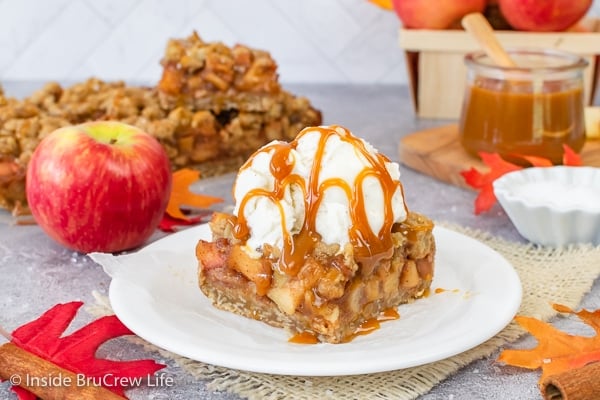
(435, 14)
(98, 186)
(543, 16)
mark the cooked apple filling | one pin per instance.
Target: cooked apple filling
(330, 295)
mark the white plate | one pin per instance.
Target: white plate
(154, 293)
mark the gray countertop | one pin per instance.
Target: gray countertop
(36, 273)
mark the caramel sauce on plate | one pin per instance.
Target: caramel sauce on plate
(442, 290)
(304, 338)
(368, 326)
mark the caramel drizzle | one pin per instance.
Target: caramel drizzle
(369, 247)
(366, 327)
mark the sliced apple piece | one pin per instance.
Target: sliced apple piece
(285, 292)
(256, 270)
(592, 122)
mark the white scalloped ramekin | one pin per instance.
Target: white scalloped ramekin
(553, 206)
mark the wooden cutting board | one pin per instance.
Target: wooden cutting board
(438, 153)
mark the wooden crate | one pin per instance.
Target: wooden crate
(437, 74)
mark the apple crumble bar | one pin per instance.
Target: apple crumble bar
(320, 240)
(213, 106)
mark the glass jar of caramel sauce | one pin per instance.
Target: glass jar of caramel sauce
(532, 109)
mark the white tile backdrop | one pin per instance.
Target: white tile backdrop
(312, 40)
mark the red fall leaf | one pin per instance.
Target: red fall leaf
(170, 224)
(484, 181)
(497, 166)
(570, 157)
(77, 351)
(556, 351)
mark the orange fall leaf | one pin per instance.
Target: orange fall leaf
(182, 196)
(385, 4)
(556, 351)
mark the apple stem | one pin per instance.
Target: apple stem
(112, 141)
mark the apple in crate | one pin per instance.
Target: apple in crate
(435, 14)
(543, 16)
(99, 186)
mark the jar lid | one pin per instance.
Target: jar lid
(538, 62)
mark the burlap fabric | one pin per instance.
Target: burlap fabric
(548, 276)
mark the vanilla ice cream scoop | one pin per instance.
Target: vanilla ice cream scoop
(325, 185)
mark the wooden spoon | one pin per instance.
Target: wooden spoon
(482, 31)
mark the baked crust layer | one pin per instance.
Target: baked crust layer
(331, 296)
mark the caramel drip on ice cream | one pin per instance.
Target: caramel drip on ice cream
(369, 246)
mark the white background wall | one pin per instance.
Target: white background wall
(312, 40)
